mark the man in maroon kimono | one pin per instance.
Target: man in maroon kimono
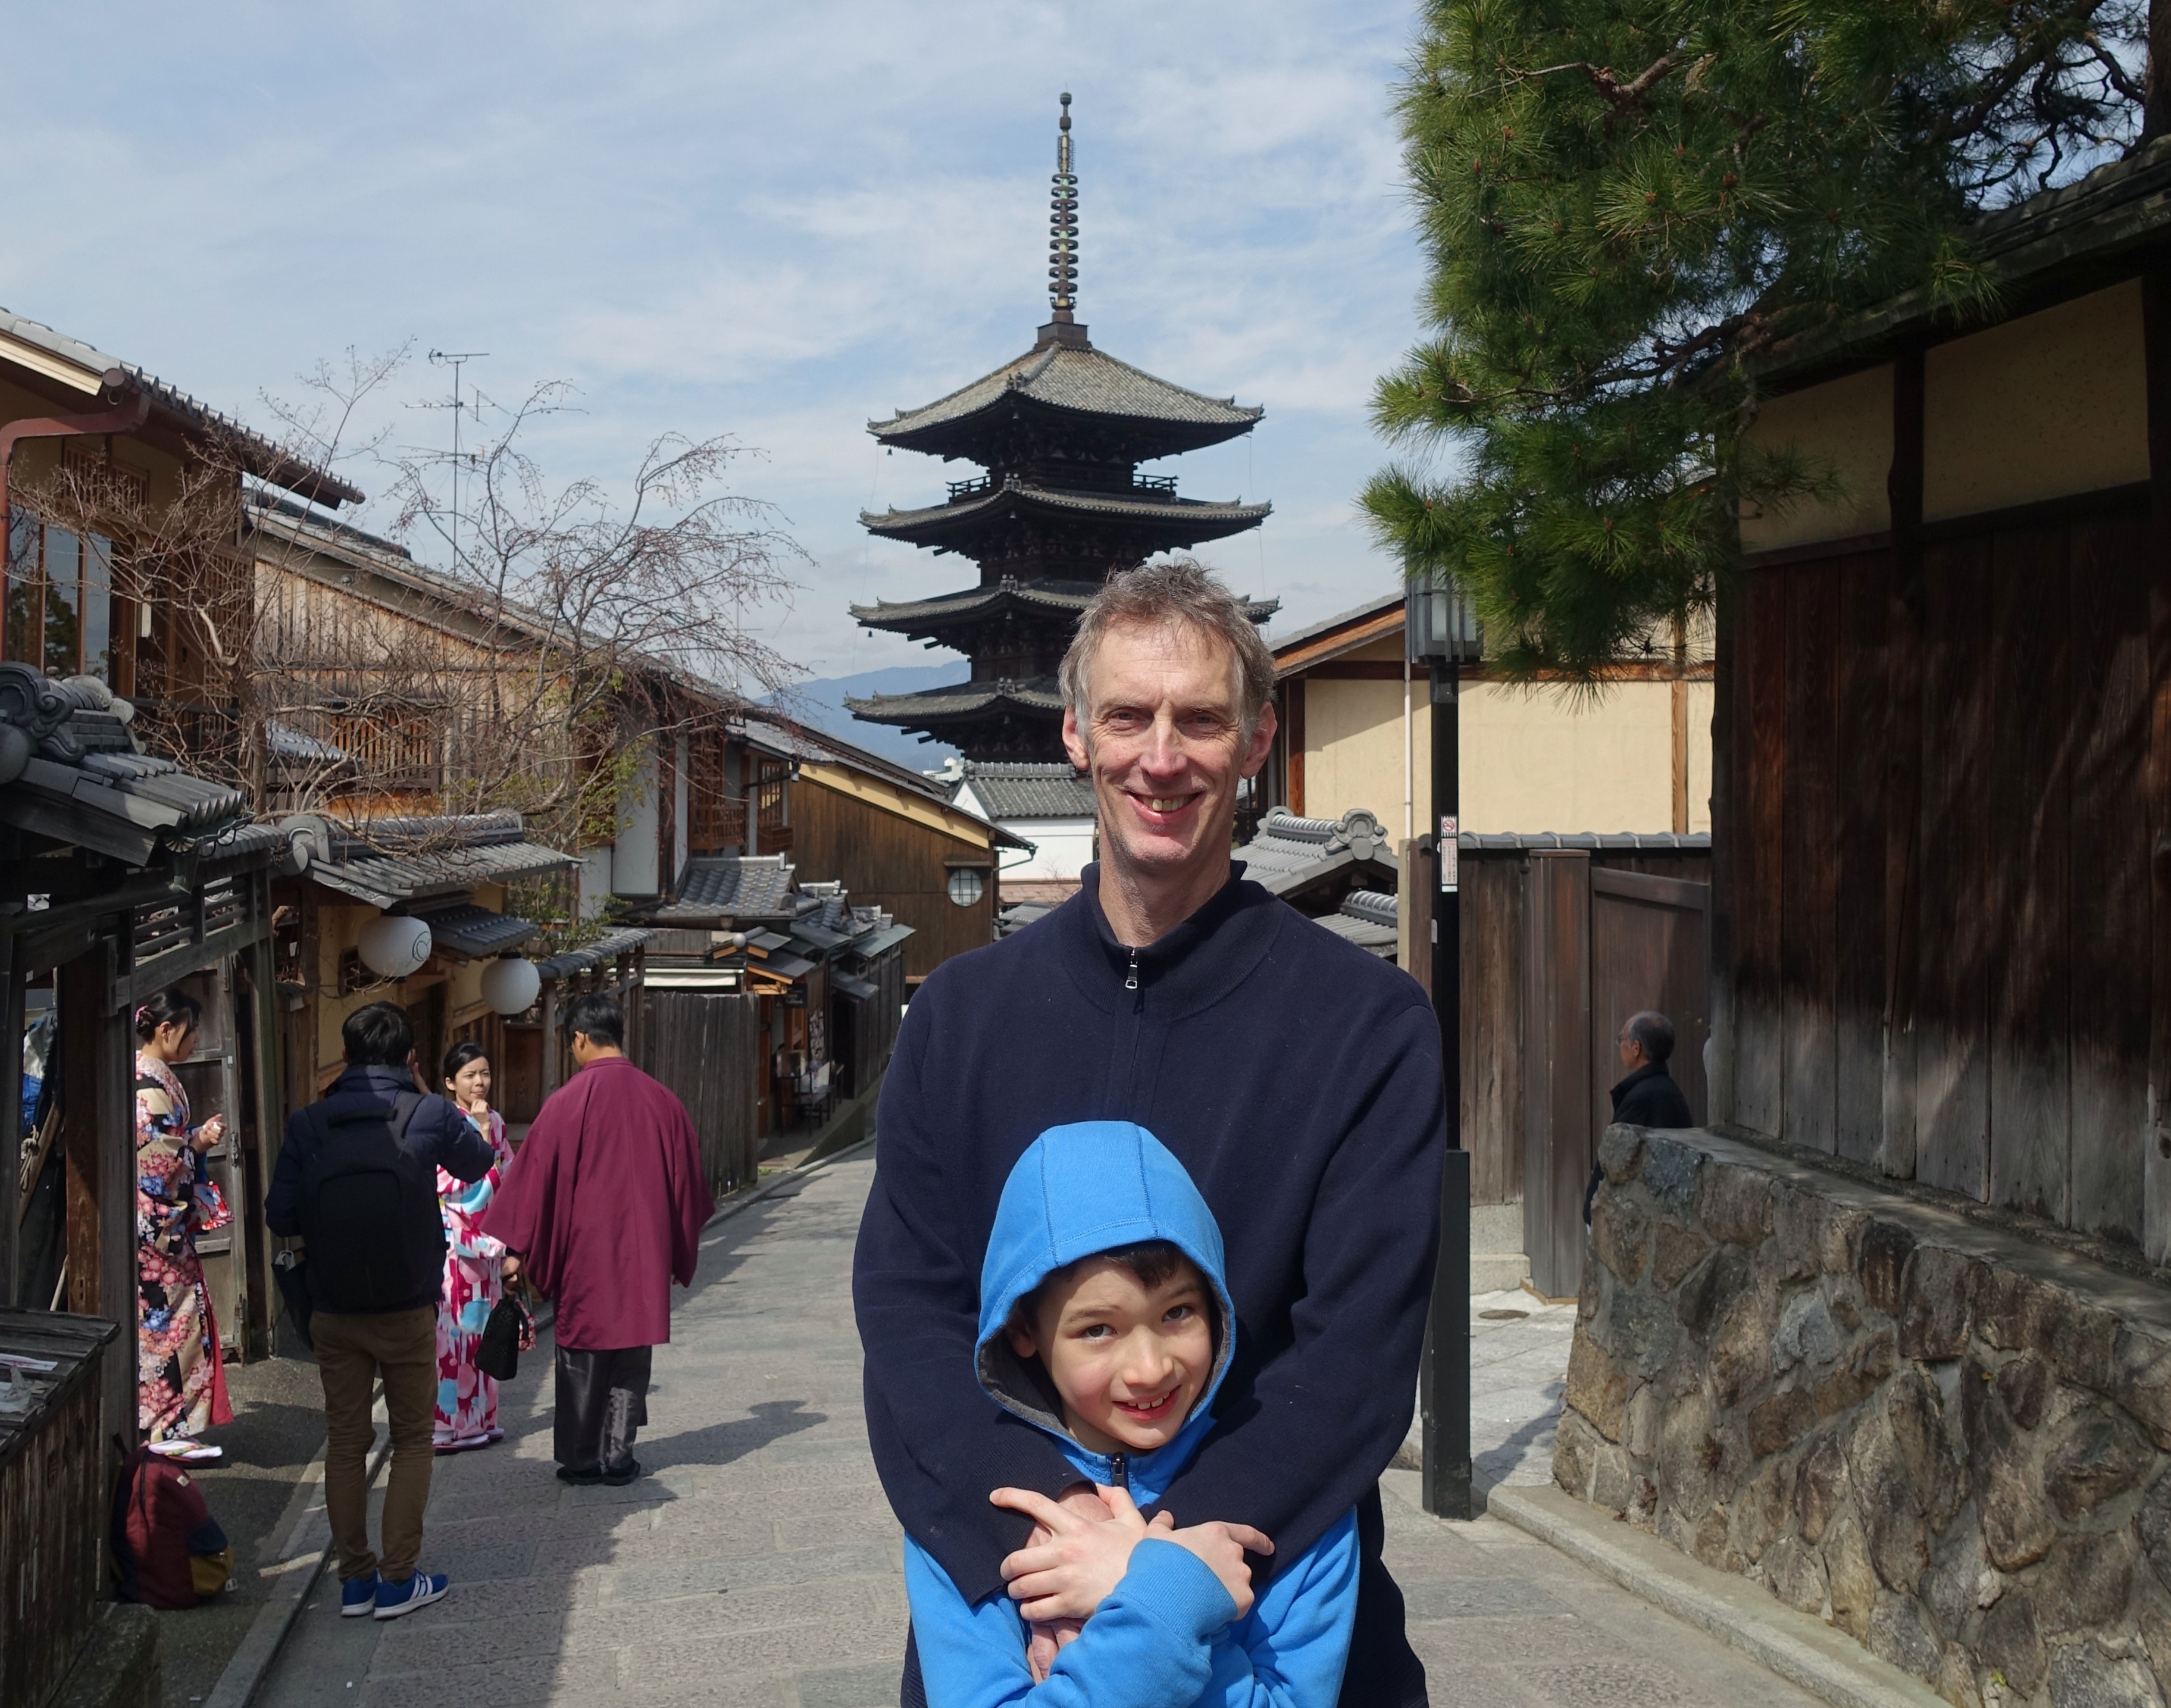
(603, 1207)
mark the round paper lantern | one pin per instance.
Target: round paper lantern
(394, 946)
(510, 985)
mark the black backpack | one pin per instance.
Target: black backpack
(369, 1210)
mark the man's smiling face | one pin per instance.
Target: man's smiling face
(1166, 746)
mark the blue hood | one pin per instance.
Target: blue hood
(1077, 1190)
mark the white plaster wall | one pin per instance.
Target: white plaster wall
(632, 866)
(680, 772)
(1532, 760)
(1063, 847)
(595, 880)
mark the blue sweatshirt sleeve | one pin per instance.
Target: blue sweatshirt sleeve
(1164, 1636)
(1151, 1645)
(1290, 1650)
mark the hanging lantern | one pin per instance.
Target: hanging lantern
(394, 946)
(510, 985)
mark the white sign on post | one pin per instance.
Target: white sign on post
(1450, 851)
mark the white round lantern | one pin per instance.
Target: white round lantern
(510, 985)
(394, 946)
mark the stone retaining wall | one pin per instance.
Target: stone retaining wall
(1947, 1438)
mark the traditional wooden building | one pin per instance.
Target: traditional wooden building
(1942, 924)
(1060, 432)
(1894, 1338)
(1355, 731)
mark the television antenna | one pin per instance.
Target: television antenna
(454, 359)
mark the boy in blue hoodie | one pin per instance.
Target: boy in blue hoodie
(1105, 1320)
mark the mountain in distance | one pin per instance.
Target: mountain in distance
(820, 703)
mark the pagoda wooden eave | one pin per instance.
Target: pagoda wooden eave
(1166, 520)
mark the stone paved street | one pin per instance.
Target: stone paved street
(757, 1564)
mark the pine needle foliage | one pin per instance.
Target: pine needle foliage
(1626, 205)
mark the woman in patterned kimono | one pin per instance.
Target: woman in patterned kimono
(476, 1268)
(181, 1388)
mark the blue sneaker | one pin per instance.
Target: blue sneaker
(358, 1597)
(394, 1599)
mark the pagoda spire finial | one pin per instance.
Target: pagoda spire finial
(1063, 228)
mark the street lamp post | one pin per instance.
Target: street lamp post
(1442, 631)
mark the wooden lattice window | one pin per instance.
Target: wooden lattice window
(772, 811)
(715, 820)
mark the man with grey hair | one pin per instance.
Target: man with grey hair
(1647, 1097)
(1296, 1078)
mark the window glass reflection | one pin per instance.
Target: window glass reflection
(97, 607)
(63, 602)
(24, 621)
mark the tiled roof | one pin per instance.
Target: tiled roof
(608, 947)
(1037, 693)
(1068, 598)
(716, 886)
(1367, 919)
(1022, 790)
(1290, 853)
(1473, 842)
(260, 457)
(1077, 379)
(476, 933)
(1062, 599)
(1173, 521)
(386, 861)
(72, 774)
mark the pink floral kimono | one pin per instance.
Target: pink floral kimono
(467, 1400)
(180, 1381)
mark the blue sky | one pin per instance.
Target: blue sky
(769, 221)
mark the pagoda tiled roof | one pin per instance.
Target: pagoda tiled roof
(1079, 380)
(1176, 521)
(1061, 598)
(962, 700)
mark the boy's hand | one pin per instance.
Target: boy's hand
(1084, 1557)
(1222, 1547)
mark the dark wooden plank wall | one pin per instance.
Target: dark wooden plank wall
(1493, 929)
(707, 1047)
(1940, 883)
(890, 861)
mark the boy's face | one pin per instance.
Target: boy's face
(1130, 1361)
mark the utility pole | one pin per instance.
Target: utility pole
(1440, 630)
(454, 359)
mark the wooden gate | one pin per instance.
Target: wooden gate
(706, 1047)
(1601, 946)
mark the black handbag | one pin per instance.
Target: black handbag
(289, 1270)
(509, 1332)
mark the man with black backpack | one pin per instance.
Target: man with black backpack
(357, 1180)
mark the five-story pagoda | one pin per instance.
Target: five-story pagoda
(1060, 432)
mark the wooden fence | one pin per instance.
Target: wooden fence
(706, 1046)
(53, 1488)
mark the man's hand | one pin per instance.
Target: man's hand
(1222, 1548)
(1088, 1535)
(1044, 1642)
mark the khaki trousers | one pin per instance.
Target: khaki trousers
(351, 1350)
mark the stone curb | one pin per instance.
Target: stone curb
(1802, 1650)
(267, 1632)
(748, 1199)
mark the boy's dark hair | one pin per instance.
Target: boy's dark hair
(170, 1007)
(1154, 1261)
(464, 1052)
(597, 1015)
(377, 1036)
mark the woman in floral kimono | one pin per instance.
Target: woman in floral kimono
(475, 1267)
(180, 1384)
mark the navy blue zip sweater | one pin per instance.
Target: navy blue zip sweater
(1297, 1080)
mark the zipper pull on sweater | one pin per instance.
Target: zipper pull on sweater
(1119, 1471)
(1131, 982)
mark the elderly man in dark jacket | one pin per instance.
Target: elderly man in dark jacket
(1648, 1097)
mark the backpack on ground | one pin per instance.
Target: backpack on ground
(168, 1549)
(370, 1220)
